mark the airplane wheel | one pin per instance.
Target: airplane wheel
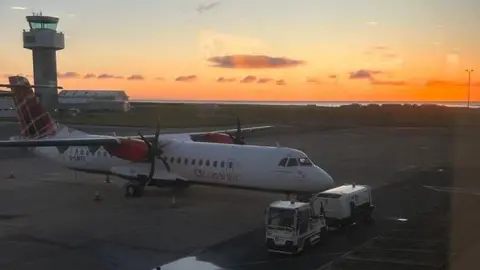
(132, 190)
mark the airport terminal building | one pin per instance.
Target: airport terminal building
(82, 100)
(94, 100)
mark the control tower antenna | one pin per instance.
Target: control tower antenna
(44, 40)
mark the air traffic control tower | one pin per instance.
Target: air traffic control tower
(44, 40)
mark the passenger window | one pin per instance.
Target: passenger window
(230, 165)
(200, 162)
(193, 161)
(207, 163)
(179, 160)
(186, 161)
(172, 159)
(292, 162)
(282, 162)
(222, 164)
(214, 164)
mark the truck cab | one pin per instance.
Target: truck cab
(292, 226)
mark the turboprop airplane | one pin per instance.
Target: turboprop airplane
(167, 160)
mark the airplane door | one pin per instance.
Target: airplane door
(231, 176)
(230, 167)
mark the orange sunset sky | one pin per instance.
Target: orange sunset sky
(332, 50)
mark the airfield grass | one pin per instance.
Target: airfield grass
(202, 115)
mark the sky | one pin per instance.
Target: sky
(285, 50)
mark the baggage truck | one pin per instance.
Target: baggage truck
(293, 226)
(344, 205)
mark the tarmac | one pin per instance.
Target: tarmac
(426, 194)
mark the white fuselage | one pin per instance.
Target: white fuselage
(246, 166)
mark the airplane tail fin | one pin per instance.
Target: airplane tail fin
(35, 121)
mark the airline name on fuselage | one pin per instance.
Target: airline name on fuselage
(201, 173)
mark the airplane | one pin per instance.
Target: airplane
(162, 160)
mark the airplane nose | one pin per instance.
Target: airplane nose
(323, 179)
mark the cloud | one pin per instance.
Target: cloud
(109, 76)
(189, 78)
(248, 79)
(213, 43)
(89, 76)
(364, 74)
(312, 80)
(253, 61)
(332, 76)
(68, 75)
(390, 83)
(264, 80)
(136, 77)
(18, 8)
(160, 79)
(390, 55)
(223, 79)
(280, 82)
(202, 7)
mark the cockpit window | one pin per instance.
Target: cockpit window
(305, 162)
(283, 162)
(292, 162)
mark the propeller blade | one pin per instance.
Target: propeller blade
(151, 172)
(239, 128)
(165, 163)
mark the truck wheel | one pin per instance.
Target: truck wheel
(368, 218)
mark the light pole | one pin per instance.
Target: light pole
(469, 85)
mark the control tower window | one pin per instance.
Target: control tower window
(35, 25)
(51, 26)
(43, 25)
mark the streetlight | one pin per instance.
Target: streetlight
(469, 85)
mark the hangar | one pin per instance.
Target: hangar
(94, 100)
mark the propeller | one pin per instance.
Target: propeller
(154, 152)
(238, 138)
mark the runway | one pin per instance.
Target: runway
(424, 182)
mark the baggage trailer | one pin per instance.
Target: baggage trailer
(293, 226)
(344, 205)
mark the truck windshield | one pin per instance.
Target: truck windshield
(281, 217)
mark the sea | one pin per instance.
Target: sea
(309, 103)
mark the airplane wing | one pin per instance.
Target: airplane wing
(233, 130)
(190, 135)
(80, 141)
(109, 140)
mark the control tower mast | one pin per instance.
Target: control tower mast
(44, 40)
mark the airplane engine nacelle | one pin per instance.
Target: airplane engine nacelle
(218, 138)
(130, 149)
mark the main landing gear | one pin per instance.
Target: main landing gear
(134, 189)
